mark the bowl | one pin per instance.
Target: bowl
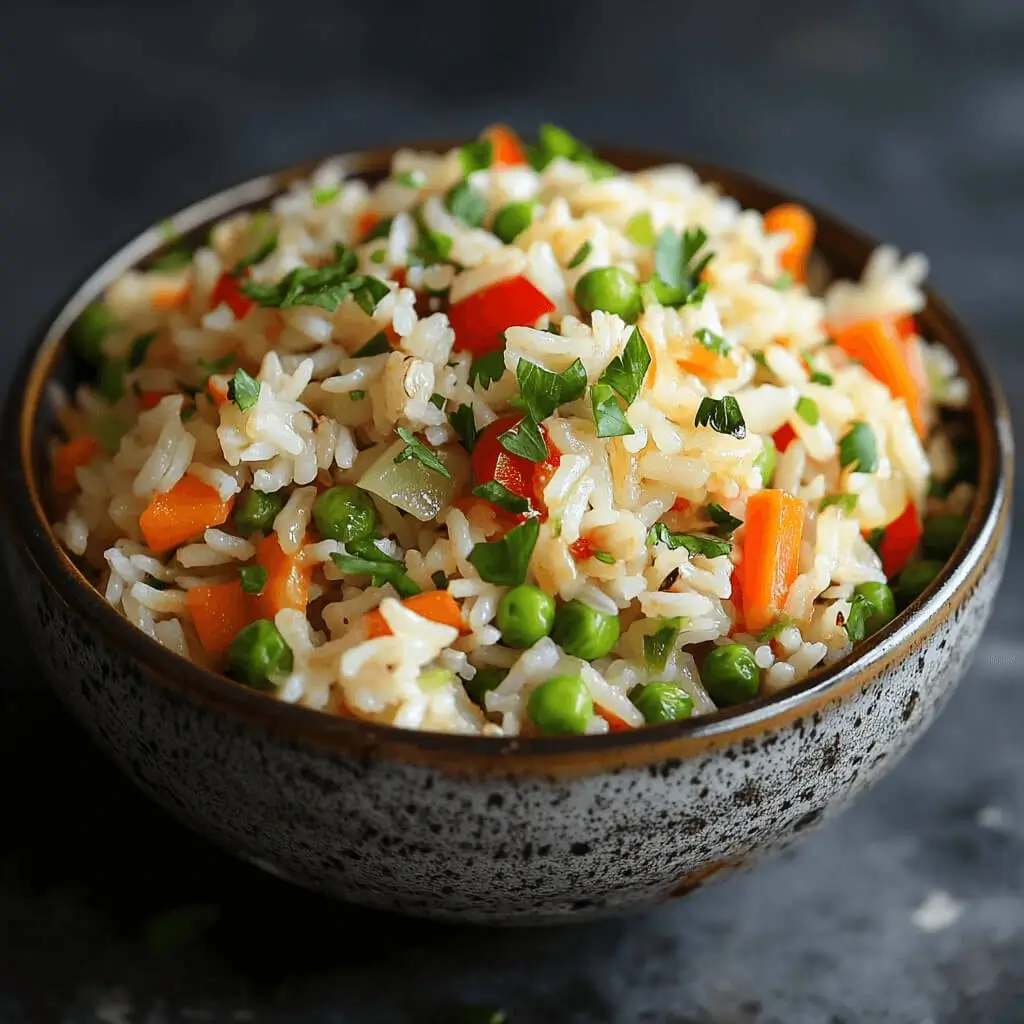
(496, 830)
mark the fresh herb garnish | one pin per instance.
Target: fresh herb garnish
(174, 259)
(376, 346)
(722, 415)
(410, 179)
(825, 379)
(556, 142)
(138, 349)
(783, 281)
(431, 246)
(243, 390)
(640, 228)
(323, 196)
(856, 620)
(542, 392)
(609, 416)
(807, 410)
(265, 242)
(464, 424)
(505, 562)
(846, 502)
(604, 556)
(626, 372)
(476, 156)
(875, 538)
(713, 342)
(858, 448)
(356, 396)
(759, 357)
(326, 287)
(439, 580)
(416, 449)
(437, 401)
(498, 494)
(709, 547)
(368, 292)
(770, 633)
(658, 645)
(677, 269)
(254, 578)
(465, 203)
(724, 521)
(526, 440)
(366, 559)
(487, 369)
(581, 254)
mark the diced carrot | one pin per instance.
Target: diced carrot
(797, 222)
(480, 319)
(217, 389)
(702, 362)
(151, 399)
(366, 223)
(900, 540)
(436, 605)
(879, 347)
(615, 724)
(508, 151)
(218, 613)
(783, 437)
(287, 581)
(771, 555)
(69, 457)
(181, 514)
(169, 293)
(228, 292)
(906, 326)
(915, 362)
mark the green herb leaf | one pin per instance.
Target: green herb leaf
(725, 522)
(825, 379)
(376, 346)
(526, 440)
(487, 369)
(875, 538)
(465, 203)
(87, 333)
(175, 929)
(626, 372)
(264, 234)
(713, 342)
(658, 645)
(431, 246)
(254, 578)
(581, 254)
(410, 179)
(326, 287)
(173, 259)
(722, 415)
(364, 558)
(783, 282)
(138, 349)
(356, 396)
(416, 449)
(856, 620)
(544, 391)
(439, 580)
(604, 556)
(464, 424)
(609, 416)
(807, 410)
(677, 269)
(640, 228)
(709, 547)
(847, 502)
(758, 356)
(368, 293)
(770, 633)
(378, 256)
(556, 142)
(212, 366)
(323, 196)
(437, 401)
(243, 390)
(505, 562)
(476, 156)
(858, 448)
(498, 494)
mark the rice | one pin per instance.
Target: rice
(310, 445)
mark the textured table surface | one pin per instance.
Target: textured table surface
(904, 118)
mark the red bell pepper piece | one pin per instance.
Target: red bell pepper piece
(228, 292)
(522, 477)
(480, 319)
(900, 540)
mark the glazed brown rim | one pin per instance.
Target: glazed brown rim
(846, 251)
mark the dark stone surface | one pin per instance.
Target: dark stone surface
(904, 118)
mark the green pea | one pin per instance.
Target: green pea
(345, 514)
(584, 632)
(257, 511)
(485, 680)
(766, 460)
(611, 289)
(942, 534)
(914, 580)
(662, 702)
(883, 604)
(257, 653)
(88, 332)
(525, 615)
(731, 675)
(512, 220)
(562, 706)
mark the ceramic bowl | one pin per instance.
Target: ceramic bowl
(488, 829)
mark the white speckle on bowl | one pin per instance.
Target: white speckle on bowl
(994, 818)
(938, 912)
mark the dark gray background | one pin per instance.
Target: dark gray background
(905, 118)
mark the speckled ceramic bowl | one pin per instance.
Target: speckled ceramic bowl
(486, 829)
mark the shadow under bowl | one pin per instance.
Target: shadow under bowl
(490, 829)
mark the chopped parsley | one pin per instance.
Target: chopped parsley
(437, 401)
(364, 558)
(464, 424)
(431, 246)
(640, 228)
(542, 392)
(357, 396)
(138, 349)
(243, 390)
(807, 410)
(526, 440)
(770, 633)
(626, 372)
(323, 196)
(658, 645)
(713, 342)
(677, 269)
(416, 449)
(467, 204)
(505, 562)
(825, 379)
(410, 179)
(476, 156)
(724, 521)
(326, 287)
(875, 538)
(722, 415)
(554, 142)
(783, 282)
(487, 369)
(609, 416)
(254, 578)
(498, 494)
(581, 254)
(846, 502)
(858, 448)
(376, 346)
(709, 547)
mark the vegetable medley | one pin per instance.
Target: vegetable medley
(512, 442)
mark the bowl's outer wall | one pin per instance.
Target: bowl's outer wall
(526, 849)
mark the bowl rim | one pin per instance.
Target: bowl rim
(29, 526)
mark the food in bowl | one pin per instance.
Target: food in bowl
(511, 442)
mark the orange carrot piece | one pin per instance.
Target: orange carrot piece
(771, 555)
(217, 389)
(287, 581)
(879, 347)
(366, 223)
(151, 399)
(218, 613)
(436, 605)
(182, 514)
(797, 222)
(702, 362)
(69, 457)
(615, 724)
(169, 293)
(508, 151)
(900, 540)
